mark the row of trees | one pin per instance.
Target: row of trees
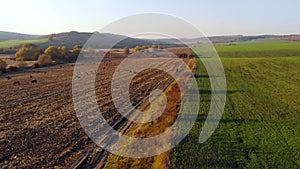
(31, 52)
(153, 47)
(139, 48)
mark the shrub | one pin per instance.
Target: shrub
(19, 58)
(44, 59)
(137, 49)
(154, 47)
(52, 51)
(126, 50)
(63, 51)
(76, 49)
(57, 53)
(2, 66)
(28, 52)
(145, 47)
(75, 53)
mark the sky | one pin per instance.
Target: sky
(212, 17)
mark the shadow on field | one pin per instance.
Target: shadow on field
(217, 92)
(202, 118)
(205, 76)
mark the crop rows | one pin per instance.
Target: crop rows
(39, 126)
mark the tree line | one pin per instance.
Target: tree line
(139, 48)
(31, 52)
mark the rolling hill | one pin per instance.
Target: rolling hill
(5, 36)
(70, 39)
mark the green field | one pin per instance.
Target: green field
(14, 43)
(274, 48)
(260, 127)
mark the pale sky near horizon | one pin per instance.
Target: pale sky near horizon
(213, 17)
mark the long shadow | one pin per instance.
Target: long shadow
(217, 92)
(202, 118)
(205, 76)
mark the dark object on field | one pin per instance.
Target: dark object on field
(2, 70)
(60, 66)
(177, 105)
(16, 82)
(35, 65)
(45, 72)
(33, 81)
(71, 65)
(240, 140)
(8, 77)
(184, 55)
(30, 76)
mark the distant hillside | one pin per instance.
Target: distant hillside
(241, 38)
(295, 38)
(232, 38)
(70, 39)
(73, 38)
(4, 36)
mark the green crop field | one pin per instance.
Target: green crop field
(260, 127)
(13, 43)
(274, 48)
